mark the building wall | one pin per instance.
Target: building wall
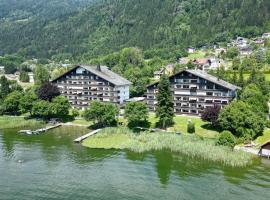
(81, 87)
(191, 94)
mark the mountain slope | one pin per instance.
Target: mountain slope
(109, 25)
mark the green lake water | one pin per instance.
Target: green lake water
(51, 166)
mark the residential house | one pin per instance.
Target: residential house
(202, 63)
(191, 50)
(83, 84)
(266, 35)
(168, 70)
(2, 69)
(193, 91)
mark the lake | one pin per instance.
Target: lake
(51, 166)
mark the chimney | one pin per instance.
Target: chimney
(98, 67)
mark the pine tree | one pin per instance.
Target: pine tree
(253, 76)
(4, 87)
(165, 110)
(241, 77)
(234, 78)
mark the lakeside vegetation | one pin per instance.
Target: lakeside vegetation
(189, 145)
(7, 122)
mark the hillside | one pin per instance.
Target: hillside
(71, 29)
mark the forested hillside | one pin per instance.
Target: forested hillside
(69, 28)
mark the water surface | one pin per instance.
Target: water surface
(51, 166)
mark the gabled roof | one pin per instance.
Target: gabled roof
(206, 76)
(104, 73)
(213, 79)
(266, 143)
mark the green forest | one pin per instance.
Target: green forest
(85, 29)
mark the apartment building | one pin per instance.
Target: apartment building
(83, 84)
(193, 91)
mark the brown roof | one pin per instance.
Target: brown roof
(201, 61)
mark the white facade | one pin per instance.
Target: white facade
(123, 93)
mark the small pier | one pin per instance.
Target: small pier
(38, 131)
(82, 138)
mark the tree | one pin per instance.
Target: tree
(41, 75)
(4, 87)
(136, 113)
(60, 107)
(24, 77)
(165, 106)
(254, 97)
(241, 82)
(48, 91)
(232, 53)
(11, 103)
(103, 114)
(226, 138)
(131, 56)
(241, 120)
(210, 114)
(191, 127)
(27, 101)
(42, 109)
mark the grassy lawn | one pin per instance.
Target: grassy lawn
(181, 125)
(189, 145)
(197, 54)
(81, 122)
(264, 138)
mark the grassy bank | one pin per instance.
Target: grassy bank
(180, 125)
(17, 122)
(189, 145)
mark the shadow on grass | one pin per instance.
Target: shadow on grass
(210, 127)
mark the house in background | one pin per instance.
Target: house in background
(266, 35)
(202, 63)
(191, 50)
(2, 69)
(83, 84)
(168, 70)
(193, 91)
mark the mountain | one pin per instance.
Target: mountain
(86, 29)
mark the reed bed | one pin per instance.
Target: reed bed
(18, 122)
(189, 145)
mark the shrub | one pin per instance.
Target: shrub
(75, 113)
(191, 127)
(136, 113)
(226, 138)
(210, 114)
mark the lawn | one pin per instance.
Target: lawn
(264, 138)
(197, 54)
(181, 122)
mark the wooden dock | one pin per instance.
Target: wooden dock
(38, 131)
(82, 138)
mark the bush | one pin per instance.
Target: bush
(75, 113)
(226, 138)
(191, 127)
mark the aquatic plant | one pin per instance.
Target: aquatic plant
(189, 145)
(18, 122)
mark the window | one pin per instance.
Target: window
(201, 99)
(210, 87)
(186, 86)
(209, 93)
(185, 80)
